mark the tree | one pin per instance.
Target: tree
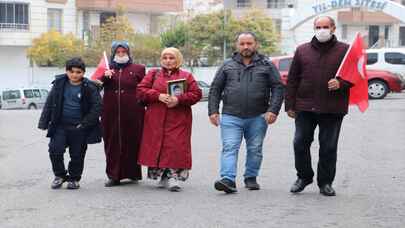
(256, 21)
(54, 49)
(115, 28)
(175, 37)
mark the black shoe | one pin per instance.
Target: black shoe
(225, 185)
(73, 185)
(111, 183)
(299, 185)
(58, 182)
(327, 190)
(251, 183)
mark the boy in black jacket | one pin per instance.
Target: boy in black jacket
(71, 115)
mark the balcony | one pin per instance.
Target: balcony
(149, 6)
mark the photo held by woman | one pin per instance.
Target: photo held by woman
(169, 93)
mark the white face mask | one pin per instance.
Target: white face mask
(121, 60)
(323, 35)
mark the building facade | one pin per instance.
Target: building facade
(23, 20)
(381, 22)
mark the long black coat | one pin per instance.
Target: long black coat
(90, 106)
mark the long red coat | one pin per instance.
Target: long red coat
(166, 141)
(122, 121)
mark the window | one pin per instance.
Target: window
(36, 93)
(277, 4)
(11, 94)
(44, 92)
(202, 84)
(284, 64)
(402, 36)
(28, 93)
(243, 3)
(55, 20)
(104, 17)
(344, 31)
(372, 58)
(395, 58)
(14, 16)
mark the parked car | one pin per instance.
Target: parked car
(0, 101)
(23, 98)
(205, 89)
(380, 82)
(389, 59)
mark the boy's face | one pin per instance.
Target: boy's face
(75, 75)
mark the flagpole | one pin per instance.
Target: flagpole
(347, 53)
(106, 60)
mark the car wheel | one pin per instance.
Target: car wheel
(32, 106)
(377, 89)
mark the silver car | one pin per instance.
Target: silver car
(23, 98)
(205, 90)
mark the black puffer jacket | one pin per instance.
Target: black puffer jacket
(246, 90)
(90, 105)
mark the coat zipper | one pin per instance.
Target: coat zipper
(119, 111)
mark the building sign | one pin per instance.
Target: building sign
(337, 4)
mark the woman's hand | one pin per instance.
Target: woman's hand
(109, 73)
(173, 102)
(165, 98)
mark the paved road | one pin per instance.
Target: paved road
(370, 181)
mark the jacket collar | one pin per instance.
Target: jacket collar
(323, 46)
(256, 57)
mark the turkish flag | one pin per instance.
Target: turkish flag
(353, 70)
(101, 68)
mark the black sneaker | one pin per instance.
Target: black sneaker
(251, 183)
(58, 182)
(225, 185)
(73, 185)
(299, 185)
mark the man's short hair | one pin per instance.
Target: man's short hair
(332, 21)
(76, 62)
(246, 33)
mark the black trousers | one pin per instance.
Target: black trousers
(329, 129)
(75, 140)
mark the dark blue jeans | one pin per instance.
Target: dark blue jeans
(329, 129)
(75, 140)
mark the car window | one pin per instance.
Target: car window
(202, 84)
(284, 64)
(44, 92)
(372, 58)
(36, 93)
(11, 94)
(28, 93)
(395, 58)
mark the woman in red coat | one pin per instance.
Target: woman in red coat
(166, 141)
(122, 116)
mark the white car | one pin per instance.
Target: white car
(389, 59)
(23, 98)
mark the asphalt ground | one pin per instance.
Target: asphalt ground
(370, 180)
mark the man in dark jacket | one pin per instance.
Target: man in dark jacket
(71, 115)
(316, 97)
(244, 83)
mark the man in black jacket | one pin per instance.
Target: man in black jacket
(71, 115)
(244, 83)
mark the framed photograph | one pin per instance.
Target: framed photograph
(176, 87)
